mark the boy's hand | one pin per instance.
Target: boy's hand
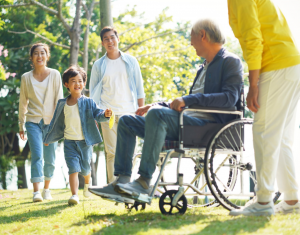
(108, 113)
(46, 144)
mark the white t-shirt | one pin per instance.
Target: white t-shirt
(39, 88)
(116, 93)
(73, 128)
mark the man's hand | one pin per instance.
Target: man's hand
(252, 99)
(108, 113)
(178, 104)
(22, 136)
(142, 110)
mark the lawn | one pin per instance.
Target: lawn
(18, 215)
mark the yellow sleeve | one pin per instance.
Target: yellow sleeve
(244, 21)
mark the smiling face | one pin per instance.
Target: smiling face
(75, 85)
(110, 41)
(39, 57)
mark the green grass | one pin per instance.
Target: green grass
(18, 215)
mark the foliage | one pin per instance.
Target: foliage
(18, 215)
(9, 90)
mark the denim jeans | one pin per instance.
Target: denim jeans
(78, 156)
(35, 134)
(160, 124)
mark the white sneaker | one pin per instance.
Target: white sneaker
(285, 208)
(86, 192)
(37, 197)
(255, 209)
(74, 200)
(46, 194)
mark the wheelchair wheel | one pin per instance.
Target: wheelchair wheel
(165, 203)
(204, 201)
(228, 154)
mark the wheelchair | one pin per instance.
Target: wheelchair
(223, 170)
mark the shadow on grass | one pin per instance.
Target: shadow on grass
(44, 212)
(147, 221)
(235, 225)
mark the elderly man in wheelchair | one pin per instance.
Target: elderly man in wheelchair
(218, 84)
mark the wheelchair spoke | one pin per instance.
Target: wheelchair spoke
(237, 147)
(228, 189)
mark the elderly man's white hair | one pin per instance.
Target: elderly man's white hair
(213, 32)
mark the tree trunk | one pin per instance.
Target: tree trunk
(75, 35)
(22, 180)
(94, 173)
(105, 17)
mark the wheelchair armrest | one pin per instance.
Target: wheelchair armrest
(212, 108)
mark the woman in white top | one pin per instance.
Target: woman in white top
(40, 90)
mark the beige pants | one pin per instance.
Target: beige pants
(273, 133)
(110, 143)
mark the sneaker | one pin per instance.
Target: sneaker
(86, 192)
(255, 209)
(37, 197)
(74, 200)
(46, 194)
(253, 200)
(108, 193)
(285, 208)
(133, 188)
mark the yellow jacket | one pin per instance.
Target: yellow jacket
(264, 34)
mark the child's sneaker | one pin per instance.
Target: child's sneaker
(86, 192)
(46, 194)
(285, 208)
(74, 200)
(37, 197)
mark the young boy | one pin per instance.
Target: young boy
(74, 120)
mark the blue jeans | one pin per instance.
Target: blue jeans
(78, 156)
(160, 124)
(35, 134)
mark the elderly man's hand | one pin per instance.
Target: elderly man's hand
(142, 110)
(252, 99)
(178, 104)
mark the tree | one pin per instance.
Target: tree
(9, 143)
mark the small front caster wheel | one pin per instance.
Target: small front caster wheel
(165, 203)
(136, 206)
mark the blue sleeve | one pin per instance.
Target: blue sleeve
(47, 130)
(231, 84)
(138, 80)
(98, 113)
(94, 80)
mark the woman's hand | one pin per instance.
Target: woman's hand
(108, 113)
(142, 110)
(22, 136)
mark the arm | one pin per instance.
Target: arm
(59, 89)
(23, 104)
(247, 30)
(252, 97)
(139, 82)
(141, 102)
(230, 87)
(94, 79)
(98, 114)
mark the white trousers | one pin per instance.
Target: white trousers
(110, 143)
(273, 133)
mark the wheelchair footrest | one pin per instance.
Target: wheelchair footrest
(143, 198)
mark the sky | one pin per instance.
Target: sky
(192, 10)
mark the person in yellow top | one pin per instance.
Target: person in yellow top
(274, 75)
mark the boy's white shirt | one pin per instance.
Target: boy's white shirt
(116, 93)
(73, 128)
